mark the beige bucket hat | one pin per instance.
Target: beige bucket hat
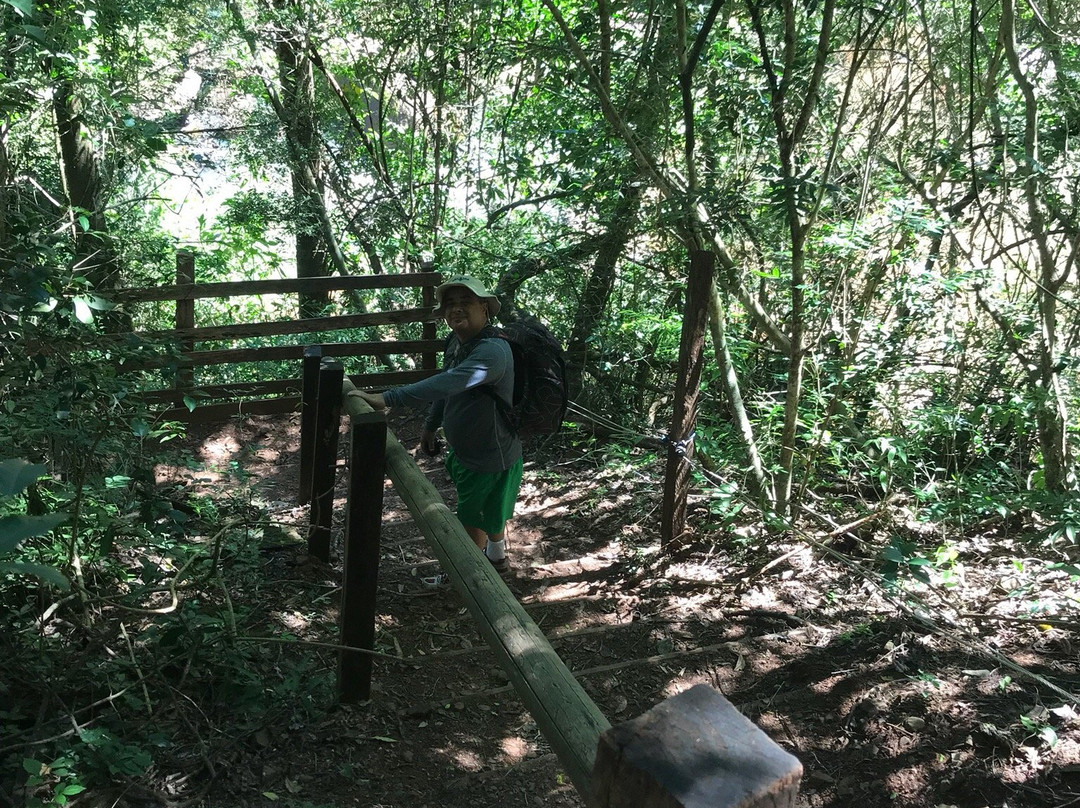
(474, 286)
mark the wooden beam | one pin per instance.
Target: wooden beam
(324, 463)
(569, 719)
(310, 395)
(694, 750)
(213, 413)
(194, 291)
(185, 314)
(363, 522)
(366, 381)
(283, 353)
(314, 325)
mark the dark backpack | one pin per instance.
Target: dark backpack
(540, 396)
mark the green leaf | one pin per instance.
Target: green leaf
(99, 303)
(24, 7)
(82, 310)
(1069, 568)
(32, 766)
(34, 32)
(1049, 736)
(139, 428)
(892, 553)
(190, 403)
(14, 530)
(43, 572)
(16, 474)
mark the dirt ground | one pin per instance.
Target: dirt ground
(888, 698)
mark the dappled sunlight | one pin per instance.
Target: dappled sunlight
(515, 749)
(294, 621)
(464, 759)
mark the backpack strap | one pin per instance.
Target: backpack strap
(461, 353)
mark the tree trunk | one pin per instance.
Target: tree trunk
(681, 437)
(95, 257)
(298, 104)
(1051, 413)
(598, 287)
(757, 481)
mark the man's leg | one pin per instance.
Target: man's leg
(479, 537)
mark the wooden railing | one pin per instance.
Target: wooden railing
(693, 750)
(278, 395)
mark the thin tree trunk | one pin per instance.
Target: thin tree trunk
(1051, 413)
(757, 481)
(598, 287)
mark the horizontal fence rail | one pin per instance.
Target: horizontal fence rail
(190, 401)
(328, 283)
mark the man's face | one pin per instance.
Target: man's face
(464, 312)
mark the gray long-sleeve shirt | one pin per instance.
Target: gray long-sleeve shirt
(468, 415)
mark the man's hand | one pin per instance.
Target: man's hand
(429, 442)
(374, 400)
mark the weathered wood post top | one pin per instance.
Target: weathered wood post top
(694, 750)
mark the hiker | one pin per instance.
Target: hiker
(484, 458)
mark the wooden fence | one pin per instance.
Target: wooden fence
(694, 750)
(279, 395)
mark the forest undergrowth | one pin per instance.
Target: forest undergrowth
(193, 661)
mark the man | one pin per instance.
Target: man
(484, 459)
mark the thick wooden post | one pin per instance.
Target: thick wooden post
(681, 436)
(363, 521)
(694, 750)
(327, 428)
(309, 403)
(185, 317)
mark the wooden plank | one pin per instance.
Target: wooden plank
(569, 719)
(365, 381)
(310, 395)
(185, 314)
(680, 438)
(314, 325)
(431, 359)
(283, 353)
(277, 353)
(363, 523)
(194, 291)
(694, 750)
(327, 431)
(214, 413)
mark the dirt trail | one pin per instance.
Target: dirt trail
(881, 711)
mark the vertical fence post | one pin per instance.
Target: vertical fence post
(327, 427)
(309, 399)
(363, 522)
(681, 437)
(428, 361)
(185, 317)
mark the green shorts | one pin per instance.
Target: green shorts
(485, 500)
